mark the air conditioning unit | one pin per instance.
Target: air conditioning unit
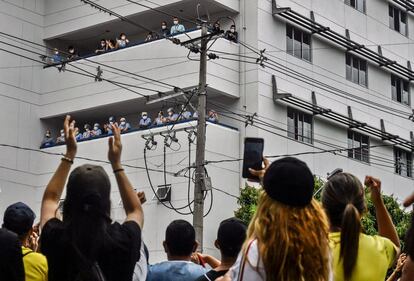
(163, 193)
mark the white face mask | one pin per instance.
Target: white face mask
(232, 30)
(62, 134)
(176, 22)
(170, 113)
(95, 128)
(164, 27)
(111, 123)
(123, 123)
(144, 117)
(56, 53)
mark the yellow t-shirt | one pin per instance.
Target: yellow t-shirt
(35, 265)
(376, 255)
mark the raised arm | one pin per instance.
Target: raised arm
(132, 205)
(54, 189)
(386, 227)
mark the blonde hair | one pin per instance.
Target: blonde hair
(293, 242)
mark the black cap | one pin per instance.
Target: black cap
(231, 235)
(290, 182)
(19, 218)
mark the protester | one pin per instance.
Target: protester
(11, 257)
(61, 138)
(56, 58)
(124, 126)
(160, 120)
(72, 54)
(165, 31)
(232, 34)
(145, 121)
(398, 269)
(172, 116)
(122, 41)
(343, 198)
(177, 27)
(212, 116)
(87, 133)
(230, 237)
(102, 47)
(96, 132)
(86, 245)
(19, 218)
(48, 140)
(179, 244)
(287, 238)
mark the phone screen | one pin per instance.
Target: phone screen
(253, 156)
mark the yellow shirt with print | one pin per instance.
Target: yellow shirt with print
(35, 265)
(376, 255)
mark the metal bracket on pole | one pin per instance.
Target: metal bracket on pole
(276, 10)
(276, 95)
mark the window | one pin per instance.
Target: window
(357, 4)
(358, 145)
(400, 90)
(398, 20)
(300, 126)
(298, 43)
(356, 70)
(403, 162)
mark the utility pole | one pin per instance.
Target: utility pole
(199, 187)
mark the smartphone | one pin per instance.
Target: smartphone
(253, 157)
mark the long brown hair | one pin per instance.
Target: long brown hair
(344, 201)
(293, 242)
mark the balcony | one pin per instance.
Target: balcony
(64, 92)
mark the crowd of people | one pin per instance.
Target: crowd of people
(145, 122)
(122, 41)
(291, 236)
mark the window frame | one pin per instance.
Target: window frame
(297, 123)
(352, 72)
(355, 4)
(400, 84)
(395, 16)
(398, 152)
(292, 34)
(352, 149)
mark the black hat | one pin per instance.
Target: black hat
(19, 218)
(231, 235)
(290, 182)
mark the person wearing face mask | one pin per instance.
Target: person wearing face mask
(160, 120)
(212, 116)
(108, 127)
(172, 116)
(48, 140)
(87, 134)
(232, 34)
(72, 54)
(56, 58)
(145, 121)
(102, 47)
(122, 42)
(123, 125)
(61, 138)
(177, 27)
(78, 134)
(96, 130)
(165, 31)
(185, 115)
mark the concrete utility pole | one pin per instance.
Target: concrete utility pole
(199, 187)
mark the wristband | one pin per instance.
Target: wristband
(118, 170)
(67, 159)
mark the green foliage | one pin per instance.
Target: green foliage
(250, 195)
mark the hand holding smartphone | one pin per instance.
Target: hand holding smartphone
(253, 157)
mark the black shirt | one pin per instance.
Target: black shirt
(212, 275)
(116, 259)
(11, 259)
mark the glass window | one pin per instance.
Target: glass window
(398, 20)
(403, 162)
(363, 73)
(356, 4)
(400, 90)
(348, 67)
(300, 125)
(356, 70)
(358, 146)
(298, 43)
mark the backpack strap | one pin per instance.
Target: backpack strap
(243, 261)
(29, 252)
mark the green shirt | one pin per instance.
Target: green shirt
(376, 255)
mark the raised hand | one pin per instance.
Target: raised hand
(409, 200)
(260, 173)
(115, 147)
(141, 197)
(374, 185)
(70, 138)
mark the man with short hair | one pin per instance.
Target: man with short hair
(177, 27)
(19, 219)
(179, 245)
(230, 238)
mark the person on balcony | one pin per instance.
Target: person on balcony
(151, 36)
(122, 42)
(78, 134)
(111, 44)
(217, 28)
(87, 134)
(160, 120)
(96, 130)
(186, 114)
(232, 34)
(177, 27)
(56, 58)
(212, 116)
(172, 116)
(145, 121)
(72, 53)
(61, 139)
(48, 140)
(165, 31)
(102, 47)
(124, 126)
